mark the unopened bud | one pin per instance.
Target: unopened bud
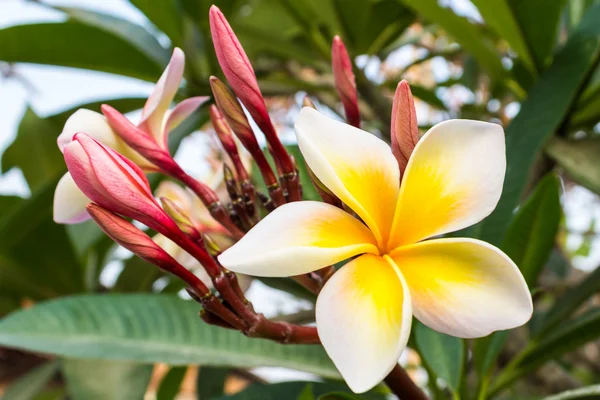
(344, 81)
(307, 102)
(404, 129)
(179, 216)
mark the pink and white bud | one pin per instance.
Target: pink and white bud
(133, 239)
(404, 129)
(114, 182)
(344, 81)
(237, 69)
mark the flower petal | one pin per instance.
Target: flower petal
(363, 318)
(453, 180)
(355, 165)
(464, 287)
(298, 238)
(93, 124)
(162, 96)
(180, 112)
(69, 202)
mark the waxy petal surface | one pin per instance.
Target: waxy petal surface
(355, 165)
(453, 180)
(162, 96)
(298, 238)
(69, 202)
(91, 123)
(464, 287)
(363, 319)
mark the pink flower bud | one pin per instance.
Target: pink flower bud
(344, 81)
(112, 181)
(136, 241)
(135, 137)
(404, 129)
(237, 69)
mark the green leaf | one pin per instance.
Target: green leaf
(465, 33)
(443, 354)
(36, 256)
(306, 393)
(36, 140)
(530, 27)
(148, 328)
(585, 393)
(164, 15)
(530, 237)
(105, 380)
(88, 47)
(545, 108)
(131, 33)
(31, 383)
(291, 390)
(569, 336)
(171, 383)
(500, 16)
(211, 382)
(487, 350)
(579, 158)
(569, 302)
(340, 396)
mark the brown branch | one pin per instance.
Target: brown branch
(402, 386)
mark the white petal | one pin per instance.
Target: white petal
(69, 202)
(363, 318)
(453, 179)
(298, 238)
(464, 287)
(356, 166)
(91, 123)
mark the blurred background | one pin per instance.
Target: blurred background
(531, 66)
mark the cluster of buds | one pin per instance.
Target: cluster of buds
(108, 157)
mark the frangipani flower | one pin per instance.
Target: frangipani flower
(157, 121)
(458, 286)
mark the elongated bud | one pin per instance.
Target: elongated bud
(136, 138)
(212, 246)
(404, 129)
(307, 102)
(182, 220)
(344, 81)
(222, 130)
(136, 241)
(233, 113)
(237, 69)
(114, 182)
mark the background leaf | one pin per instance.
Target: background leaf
(105, 380)
(147, 328)
(33, 382)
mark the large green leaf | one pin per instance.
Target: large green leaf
(105, 380)
(37, 258)
(443, 354)
(530, 237)
(545, 108)
(569, 336)
(530, 27)
(585, 393)
(137, 276)
(129, 32)
(88, 47)
(579, 158)
(147, 328)
(164, 15)
(31, 383)
(464, 32)
(34, 151)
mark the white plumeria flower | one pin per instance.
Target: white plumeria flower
(157, 119)
(462, 287)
